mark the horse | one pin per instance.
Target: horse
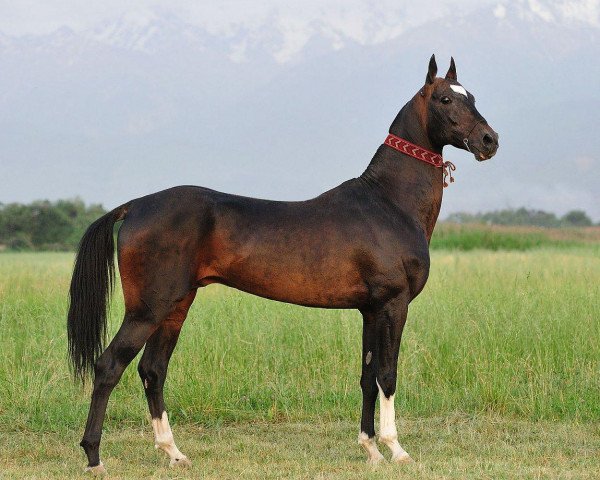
(362, 245)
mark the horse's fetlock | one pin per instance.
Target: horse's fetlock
(388, 436)
(164, 440)
(88, 444)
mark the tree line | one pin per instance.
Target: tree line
(525, 217)
(59, 225)
(44, 225)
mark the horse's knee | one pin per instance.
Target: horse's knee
(387, 383)
(368, 383)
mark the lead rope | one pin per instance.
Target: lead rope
(449, 167)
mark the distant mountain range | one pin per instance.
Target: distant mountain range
(145, 102)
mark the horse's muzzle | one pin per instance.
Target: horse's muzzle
(488, 145)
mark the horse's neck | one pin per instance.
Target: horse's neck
(415, 187)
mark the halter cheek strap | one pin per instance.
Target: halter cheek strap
(422, 154)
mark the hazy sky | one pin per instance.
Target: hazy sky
(26, 16)
(349, 16)
(127, 88)
(365, 22)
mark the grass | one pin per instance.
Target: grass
(451, 236)
(499, 377)
(454, 447)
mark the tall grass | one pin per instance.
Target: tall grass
(511, 333)
(497, 237)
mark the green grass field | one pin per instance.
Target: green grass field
(499, 377)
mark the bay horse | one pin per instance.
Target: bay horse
(362, 245)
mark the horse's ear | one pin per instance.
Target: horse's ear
(451, 75)
(431, 73)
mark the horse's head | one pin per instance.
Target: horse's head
(452, 118)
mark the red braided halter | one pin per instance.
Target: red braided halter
(422, 154)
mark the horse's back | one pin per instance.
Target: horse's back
(334, 250)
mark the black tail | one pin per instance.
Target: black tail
(91, 286)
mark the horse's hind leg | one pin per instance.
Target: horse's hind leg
(153, 371)
(129, 340)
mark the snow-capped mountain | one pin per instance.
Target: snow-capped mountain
(285, 104)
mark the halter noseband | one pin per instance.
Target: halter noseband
(422, 154)
(466, 139)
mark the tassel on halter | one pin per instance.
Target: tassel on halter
(449, 167)
(422, 154)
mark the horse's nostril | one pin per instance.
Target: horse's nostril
(488, 139)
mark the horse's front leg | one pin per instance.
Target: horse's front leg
(368, 384)
(390, 320)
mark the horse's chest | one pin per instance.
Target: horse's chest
(401, 264)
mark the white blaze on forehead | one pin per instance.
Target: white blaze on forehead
(459, 89)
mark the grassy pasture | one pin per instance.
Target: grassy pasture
(499, 377)
(453, 236)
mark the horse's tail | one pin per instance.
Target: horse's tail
(91, 286)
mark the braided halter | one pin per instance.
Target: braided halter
(422, 154)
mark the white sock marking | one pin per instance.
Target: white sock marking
(163, 439)
(459, 89)
(387, 427)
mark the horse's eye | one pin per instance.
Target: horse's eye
(446, 100)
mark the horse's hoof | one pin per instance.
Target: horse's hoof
(97, 471)
(182, 462)
(402, 458)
